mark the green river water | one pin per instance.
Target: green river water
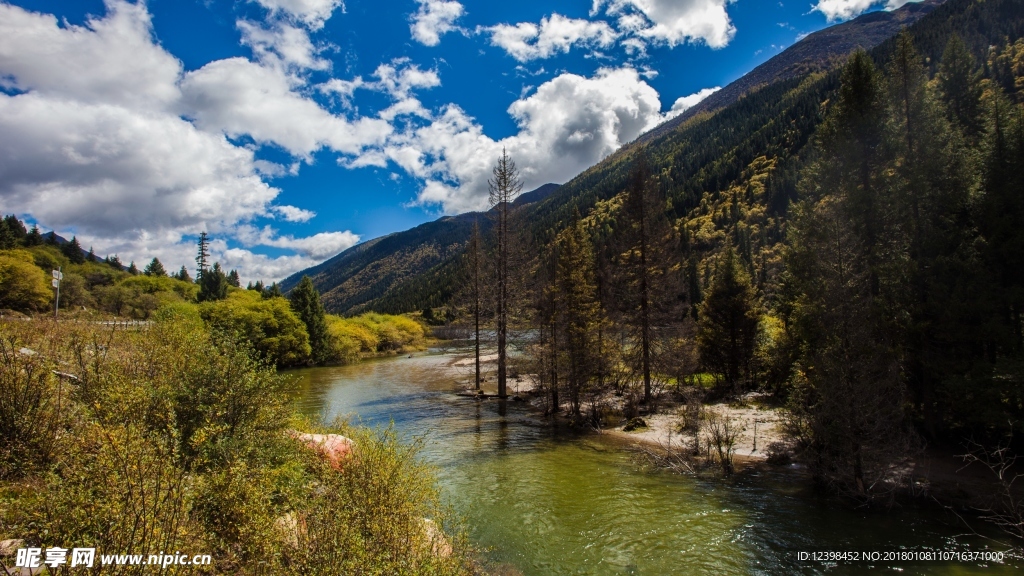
(540, 501)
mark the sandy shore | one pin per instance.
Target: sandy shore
(662, 430)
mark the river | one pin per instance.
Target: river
(539, 501)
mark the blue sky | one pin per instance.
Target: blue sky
(292, 129)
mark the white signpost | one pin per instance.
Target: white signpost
(57, 277)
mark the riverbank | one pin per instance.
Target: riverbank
(542, 497)
(936, 477)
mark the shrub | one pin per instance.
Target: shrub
(407, 530)
(30, 407)
(23, 286)
(268, 325)
(174, 438)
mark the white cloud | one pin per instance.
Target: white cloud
(94, 142)
(399, 77)
(635, 47)
(567, 125)
(433, 19)
(110, 60)
(673, 22)
(294, 214)
(312, 13)
(846, 9)
(282, 44)
(318, 246)
(240, 97)
(684, 103)
(556, 34)
(112, 171)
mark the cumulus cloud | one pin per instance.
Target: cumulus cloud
(846, 9)
(672, 22)
(556, 34)
(95, 142)
(240, 97)
(110, 60)
(565, 126)
(111, 170)
(312, 13)
(318, 246)
(294, 214)
(399, 77)
(281, 44)
(684, 103)
(433, 19)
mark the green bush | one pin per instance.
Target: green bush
(374, 333)
(156, 284)
(30, 407)
(175, 438)
(23, 286)
(408, 529)
(269, 325)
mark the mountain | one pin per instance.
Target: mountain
(819, 51)
(356, 278)
(740, 158)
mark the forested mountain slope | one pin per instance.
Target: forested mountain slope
(819, 51)
(726, 175)
(356, 278)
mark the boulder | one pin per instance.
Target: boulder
(334, 447)
(438, 541)
(635, 423)
(10, 547)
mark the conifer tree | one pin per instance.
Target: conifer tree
(1001, 212)
(16, 227)
(91, 256)
(73, 251)
(932, 189)
(132, 269)
(183, 275)
(7, 240)
(644, 237)
(504, 187)
(846, 264)
(213, 285)
(233, 279)
(34, 238)
(12, 232)
(155, 268)
(578, 309)
(305, 302)
(202, 256)
(960, 87)
(274, 291)
(727, 329)
(114, 262)
(474, 260)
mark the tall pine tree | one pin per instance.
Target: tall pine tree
(305, 301)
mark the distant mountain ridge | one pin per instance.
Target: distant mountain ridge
(356, 277)
(818, 51)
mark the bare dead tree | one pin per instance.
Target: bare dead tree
(1006, 506)
(473, 257)
(504, 187)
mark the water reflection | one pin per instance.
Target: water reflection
(547, 501)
